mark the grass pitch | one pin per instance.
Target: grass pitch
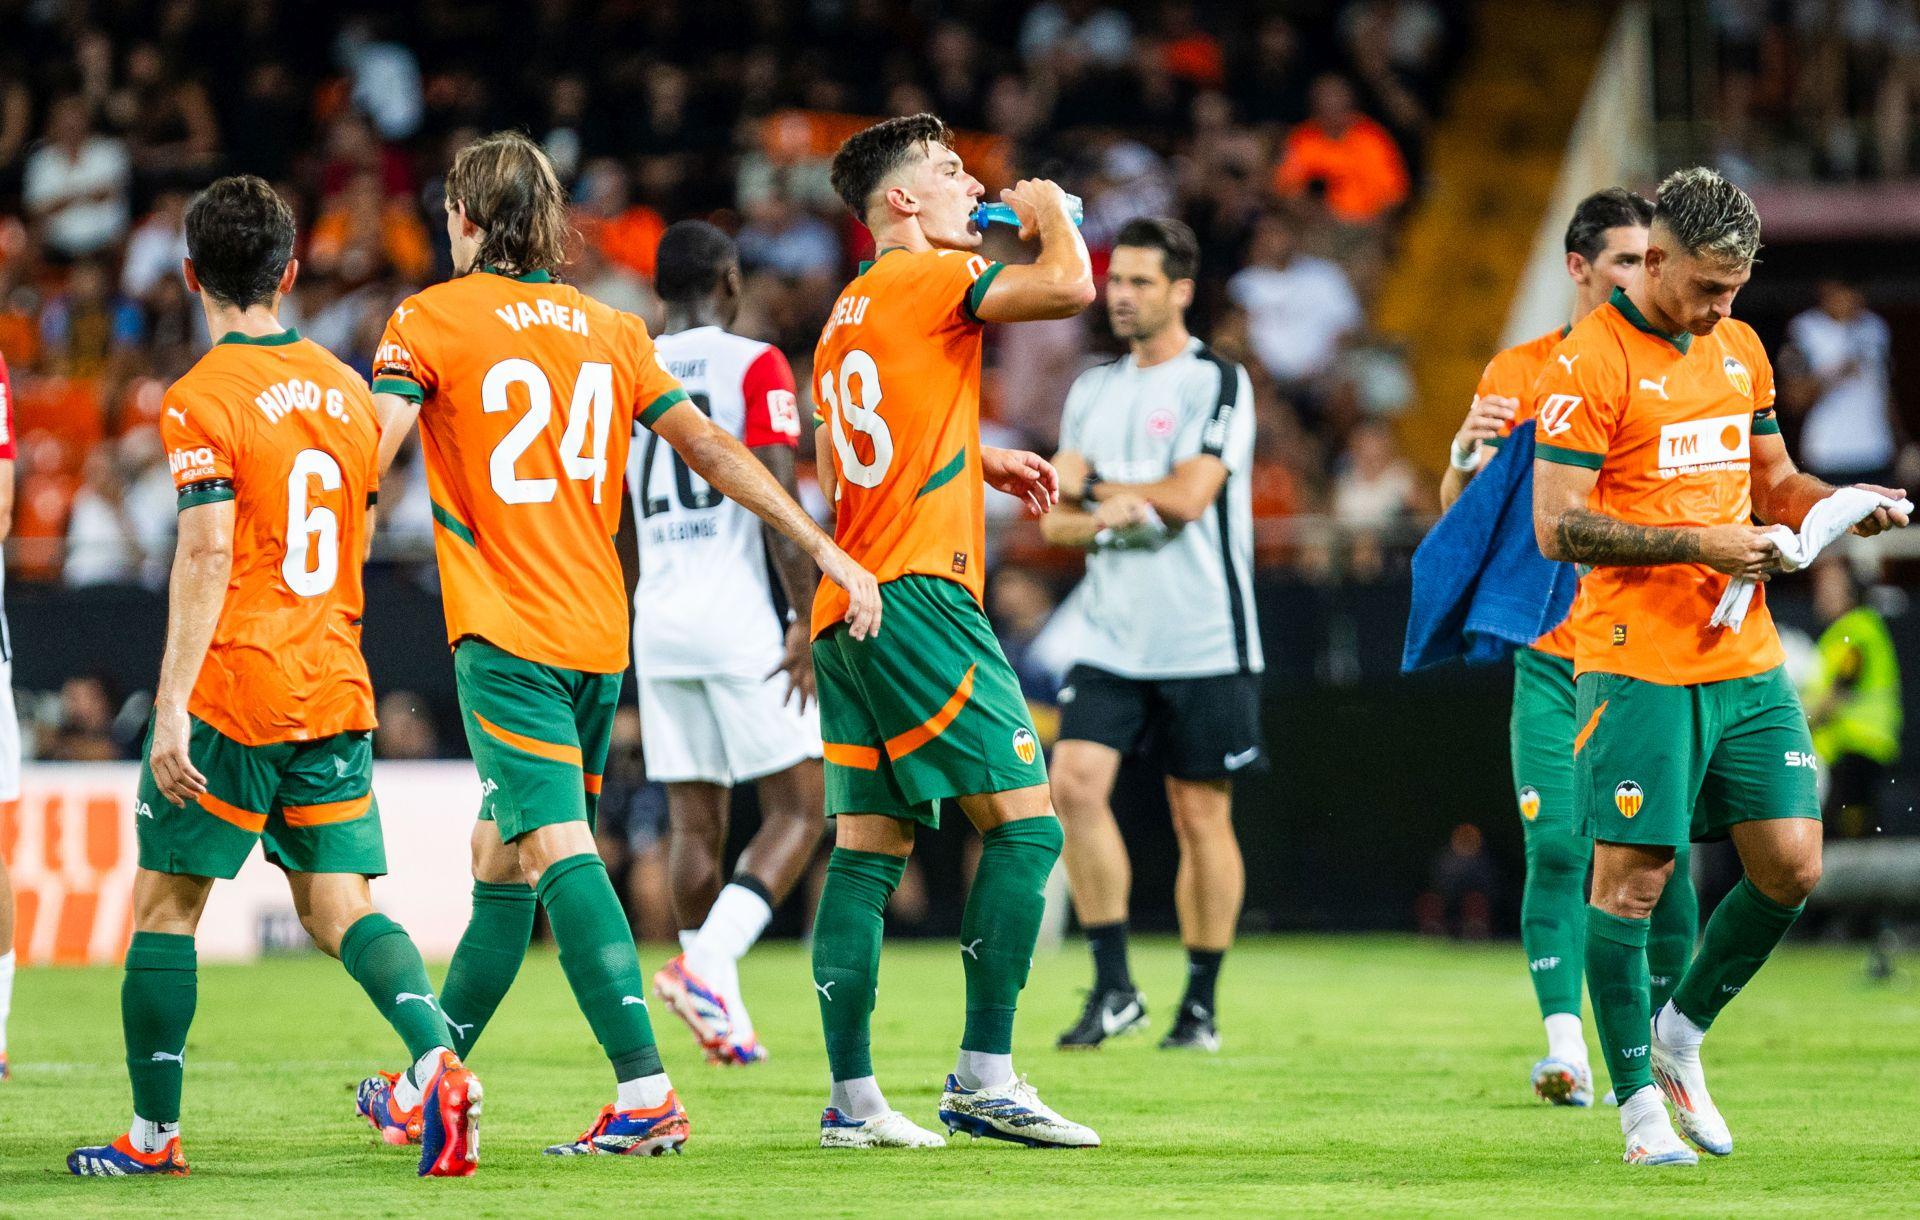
(1359, 1075)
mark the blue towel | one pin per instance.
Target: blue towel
(1481, 587)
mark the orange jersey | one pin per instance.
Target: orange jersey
(288, 433)
(529, 391)
(1511, 374)
(1668, 422)
(898, 386)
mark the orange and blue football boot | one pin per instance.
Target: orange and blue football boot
(697, 1003)
(450, 1127)
(375, 1102)
(740, 1053)
(6, 1073)
(121, 1159)
(665, 1128)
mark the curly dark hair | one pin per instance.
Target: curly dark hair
(693, 257)
(240, 237)
(867, 157)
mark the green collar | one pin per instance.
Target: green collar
(877, 256)
(530, 277)
(1631, 312)
(280, 340)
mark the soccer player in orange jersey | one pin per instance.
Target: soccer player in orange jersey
(528, 394)
(262, 723)
(1657, 446)
(930, 709)
(1605, 243)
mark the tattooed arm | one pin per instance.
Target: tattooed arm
(1568, 530)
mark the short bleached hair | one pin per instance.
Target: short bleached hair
(1710, 217)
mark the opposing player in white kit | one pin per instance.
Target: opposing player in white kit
(9, 725)
(726, 686)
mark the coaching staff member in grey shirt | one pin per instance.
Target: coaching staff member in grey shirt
(1157, 450)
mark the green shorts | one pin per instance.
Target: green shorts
(1667, 764)
(310, 803)
(927, 709)
(539, 735)
(1540, 736)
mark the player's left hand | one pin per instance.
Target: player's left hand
(797, 664)
(1027, 476)
(1883, 519)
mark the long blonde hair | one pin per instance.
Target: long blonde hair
(511, 192)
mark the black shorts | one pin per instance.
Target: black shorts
(1194, 728)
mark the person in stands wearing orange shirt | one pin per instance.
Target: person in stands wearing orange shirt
(1605, 243)
(1657, 447)
(931, 709)
(528, 393)
(263, 721)
(1352, 158)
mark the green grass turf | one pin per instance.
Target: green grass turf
(1359, 1075)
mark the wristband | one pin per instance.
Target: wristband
(1087, 500)
(1466, 462)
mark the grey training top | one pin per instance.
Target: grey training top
(1181, 608)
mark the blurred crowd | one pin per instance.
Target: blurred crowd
(1289, 134)
(1825, 89)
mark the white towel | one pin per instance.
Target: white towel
(1825, 522)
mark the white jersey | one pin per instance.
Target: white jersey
(704, 606)
(1179, 605)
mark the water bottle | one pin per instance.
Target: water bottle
(1002, 214)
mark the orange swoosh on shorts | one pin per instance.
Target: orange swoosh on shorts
(1580, 738)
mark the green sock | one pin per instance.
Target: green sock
(487, 959)
(846, 953)
(1553, 916)
(598, 958)
(157, 999)
(1617, 980)
(382, 958)
(1674, 927)
(1741, 935)
(1001, 924)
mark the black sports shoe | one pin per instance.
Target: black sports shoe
(1192, 1030)
(1107, 1014)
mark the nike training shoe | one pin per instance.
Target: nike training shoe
(1012, 1112)
(1563, 1083)
(891, 1129)
(665, 1128)
(450, 1132)
(1108, 1014)
(1193, 1030)
(121, 1159)
(374, 1101)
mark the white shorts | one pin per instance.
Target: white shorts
(9, 737)
(723, 730)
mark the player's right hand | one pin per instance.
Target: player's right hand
(1030, 198)
(1121, 511)
(863, 592)
(173, 770)
(1739, 550)
(1487, 418)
